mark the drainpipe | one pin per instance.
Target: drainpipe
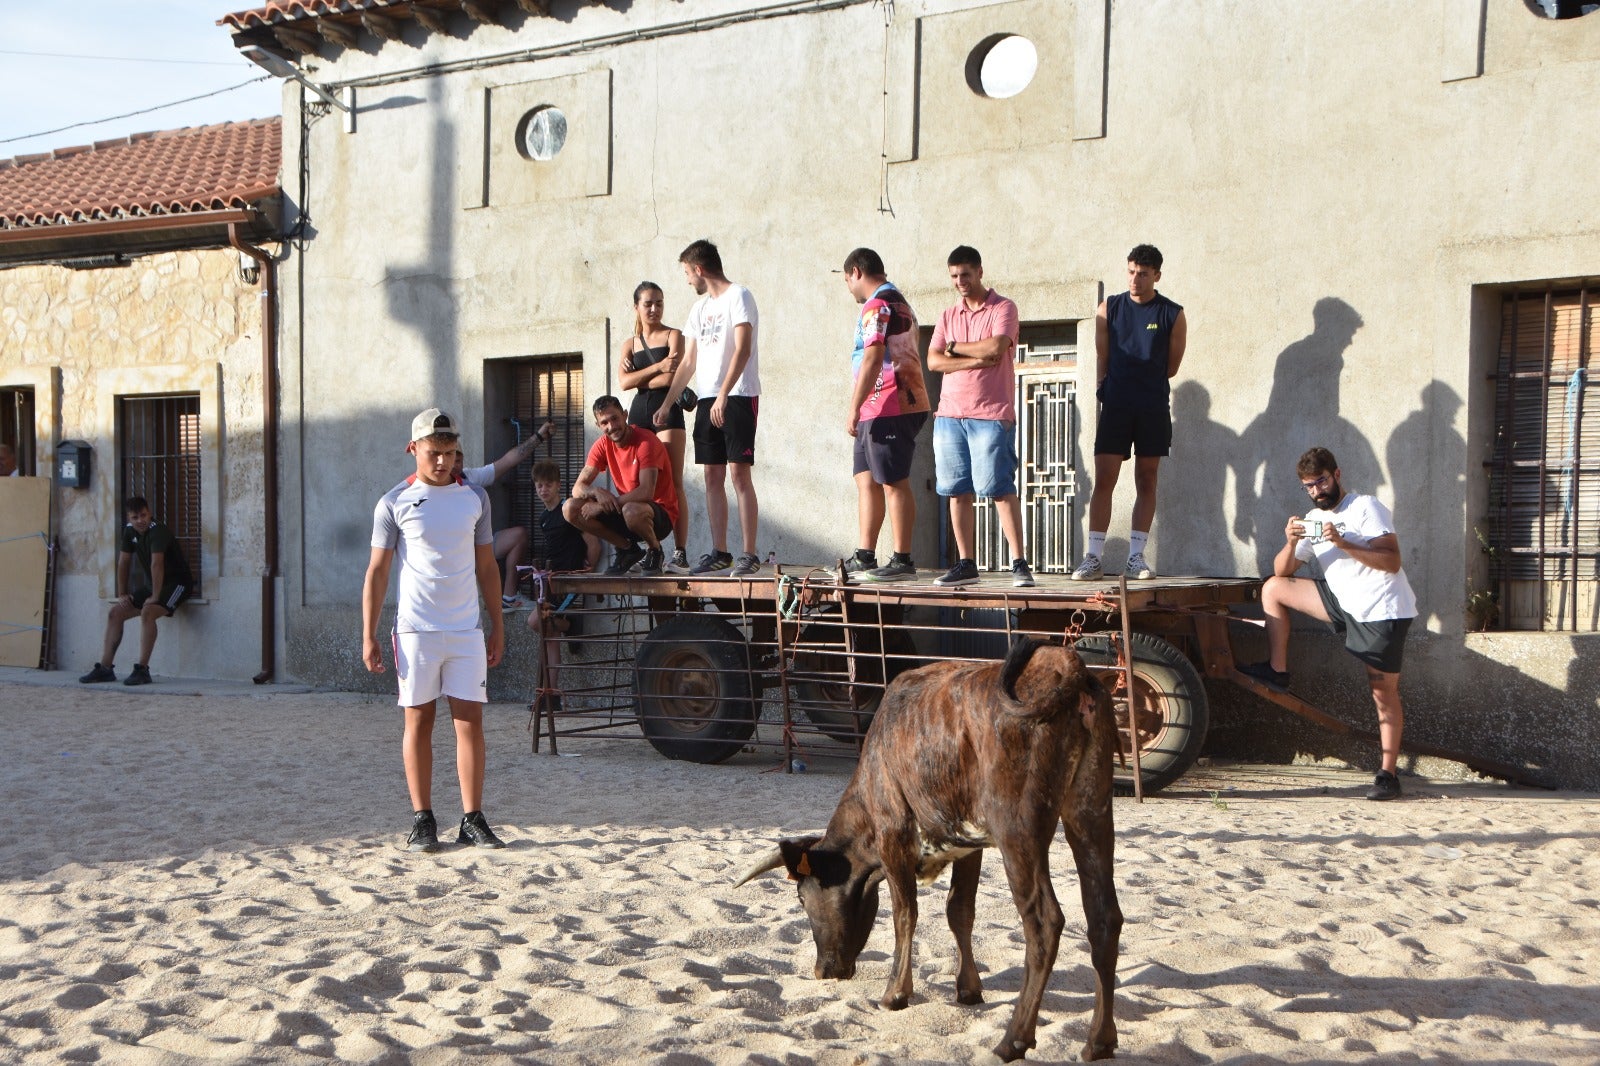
(269, 447)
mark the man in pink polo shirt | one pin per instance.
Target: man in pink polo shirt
(974, 447)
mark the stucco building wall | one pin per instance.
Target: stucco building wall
(173, 322)
(1340, 190)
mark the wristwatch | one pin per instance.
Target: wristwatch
(950, 349)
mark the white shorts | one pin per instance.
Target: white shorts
(434, 664)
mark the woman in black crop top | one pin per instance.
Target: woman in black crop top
(649, 359)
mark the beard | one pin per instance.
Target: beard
(1327, 501)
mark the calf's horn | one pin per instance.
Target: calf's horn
(770, 861)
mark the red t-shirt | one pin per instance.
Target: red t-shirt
(642, 450)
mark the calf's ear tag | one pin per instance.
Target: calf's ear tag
(803, 867)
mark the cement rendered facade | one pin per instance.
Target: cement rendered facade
(169, 322)
(1341, 192)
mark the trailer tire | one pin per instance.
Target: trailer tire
(844, 712)
(1171, 707)
(691, 683)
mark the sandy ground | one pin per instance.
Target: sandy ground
(217, 877)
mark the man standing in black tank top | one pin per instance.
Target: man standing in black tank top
(1139, 340)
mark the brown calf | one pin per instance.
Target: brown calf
(964, 756)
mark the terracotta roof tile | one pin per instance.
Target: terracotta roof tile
(199, 168)
(281, 11)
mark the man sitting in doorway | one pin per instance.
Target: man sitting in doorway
(163, 569)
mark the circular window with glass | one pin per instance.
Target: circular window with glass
(1002, 66)
(542, 133)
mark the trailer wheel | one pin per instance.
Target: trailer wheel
(841, 710)
(691, 682)
(1170, 707)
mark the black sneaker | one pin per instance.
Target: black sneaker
(1385, 786)
(965, 572)
(139, 676)
(476, 832)
(97, 675)
(650, 565)
(747, 565)
(1264, 673)
(1021, 575)
(860, 563)
(679, 564)
(424, 832)
(893, 570)
(624, 560)
(712, 562)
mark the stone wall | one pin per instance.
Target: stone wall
(168, 322)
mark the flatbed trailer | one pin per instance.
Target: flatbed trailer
(795, 660)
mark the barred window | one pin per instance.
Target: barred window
(519, 395)
(158, 457)
(1544, 475)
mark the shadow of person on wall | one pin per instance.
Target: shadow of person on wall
(1195, 538)
(1427, 459)
(1302, 412)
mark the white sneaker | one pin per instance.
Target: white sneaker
(1088, 570)
(1138, 568)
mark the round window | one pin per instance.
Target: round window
(1002, 66)
(542, 133)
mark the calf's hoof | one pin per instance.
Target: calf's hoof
(1011, 1050)
(894, 1002)
(969, 998)
(1092, 1051)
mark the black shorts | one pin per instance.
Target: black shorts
(613, 521)
(886, 445)
(1124, 429)
(732, 442)
(172, 597)
(646, 402)
(1381, 645)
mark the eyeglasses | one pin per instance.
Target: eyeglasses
(1322, 484)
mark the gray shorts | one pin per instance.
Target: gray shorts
(1381, 644)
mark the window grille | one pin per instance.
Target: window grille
(1046, 442)
(544, 387)
(16, 428)
(158, 452)
(1544, 474)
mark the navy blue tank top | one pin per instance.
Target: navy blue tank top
(1140, 334)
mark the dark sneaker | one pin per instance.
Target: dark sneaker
(893, 570)
(858, 564)
(1385, 786)
(424, 833)
(965, 572)
(651, 563)
(746, 566)
(476, 832)
(1264, 673)
(712, 562)
(97, 675)
(625, 559)
(139, 676)
(1088, 570)
(679, 563)
(1021, 576)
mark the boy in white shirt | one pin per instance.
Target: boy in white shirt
(1363, 596)
(438, 527)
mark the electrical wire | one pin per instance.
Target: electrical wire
(131, 114)
(119, 59)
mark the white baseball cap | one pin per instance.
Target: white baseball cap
(433, 421)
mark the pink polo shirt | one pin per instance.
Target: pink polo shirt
(990, 392)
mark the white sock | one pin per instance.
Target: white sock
(1136, 542)
(1097, 543)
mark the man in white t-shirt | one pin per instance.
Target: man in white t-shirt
(720, 353)
(1363, 596)
(437, 526)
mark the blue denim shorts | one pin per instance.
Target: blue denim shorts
(975, 457)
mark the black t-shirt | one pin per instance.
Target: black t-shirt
(157, 539)
(1140, 334)
(562, 542)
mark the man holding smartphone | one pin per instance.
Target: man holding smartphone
(1363, 596)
